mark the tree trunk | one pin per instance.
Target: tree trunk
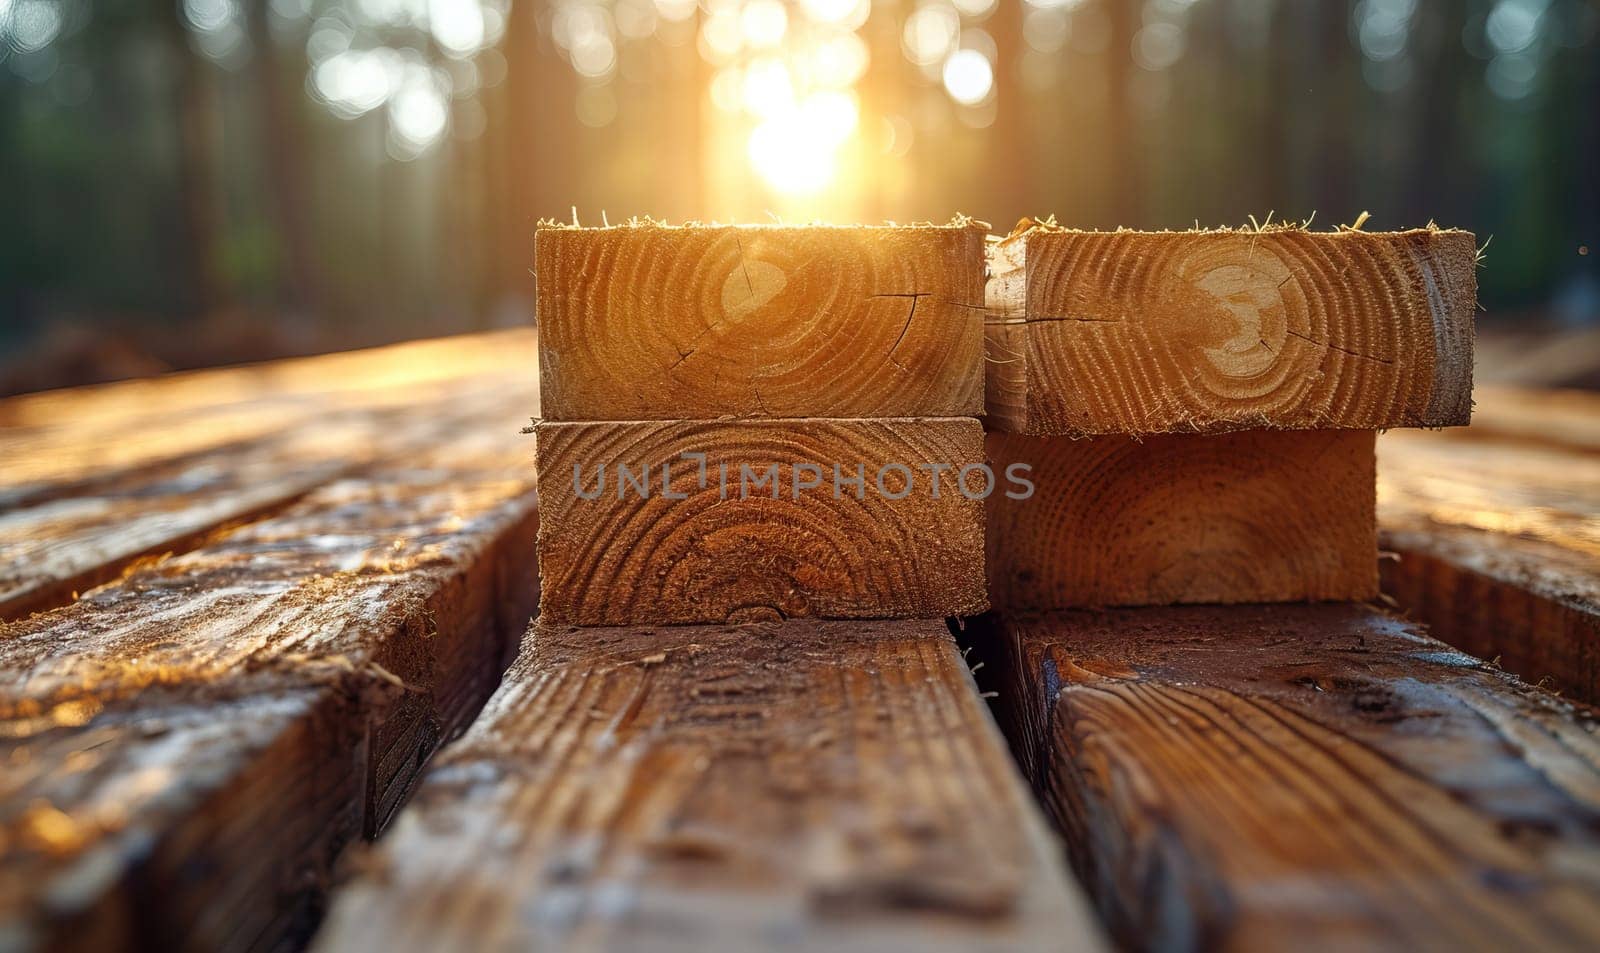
(1124, 167)
(285, 163)
(194, 104)
(1332, 193)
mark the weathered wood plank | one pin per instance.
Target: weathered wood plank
(1276, 777)
(1140, 332)
(653, 322)
(1508, 487)
(181, 469)
(1496, 541)
(200, 817)
(196, 741)
(1258, 516)
(80, 539)
(803, 785)
(1532, 607)
(58, 439)
(726, 546)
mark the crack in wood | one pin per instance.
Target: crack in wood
(1335, 347)
(914, 296)
(743, 266)
(1053, 318)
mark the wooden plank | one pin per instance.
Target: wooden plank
(726, 546)
(194, 742)
(1496, 542)
(1532, 607)
(185, 469)
(1142, 333)
(652, 322)
(58, 439)
(203, 817)
(1257, 516)
(1507, 487)
(1564, 418)
(86, 536)
(1538, 353)
(803, 785)
(1275, 777)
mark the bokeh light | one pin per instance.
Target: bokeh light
(676, 10)
(790, 156)
(763, 22)
(968, 77)
(930, 34)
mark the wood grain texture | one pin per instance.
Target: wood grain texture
(96, 479)
(1496, 537)
(1144, 332)
(649, 322)
(1304, 777)
(1248, 517)
(188, 747)
(734, 550)
(800, 785)
(204, 817)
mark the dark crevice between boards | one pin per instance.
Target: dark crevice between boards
(987, 652)
(65, 591)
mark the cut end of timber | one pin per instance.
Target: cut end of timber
(1228, 518)
(645, 322)
(678, 522)
(1233, 329)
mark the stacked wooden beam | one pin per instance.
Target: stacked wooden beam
(1198, 409)
(751, 422)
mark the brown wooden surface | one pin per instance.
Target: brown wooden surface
(1303, 777)
(1258, 516)
(803, 785)
(1496, 534)
(1141, 332)
(57, 439)
(188, 747)
(735, 551)
(651, 322)
(98, 477)
(1563, 418)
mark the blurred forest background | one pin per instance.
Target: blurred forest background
(190, 182)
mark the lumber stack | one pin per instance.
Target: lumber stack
(1198, 409)
(751, 422)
